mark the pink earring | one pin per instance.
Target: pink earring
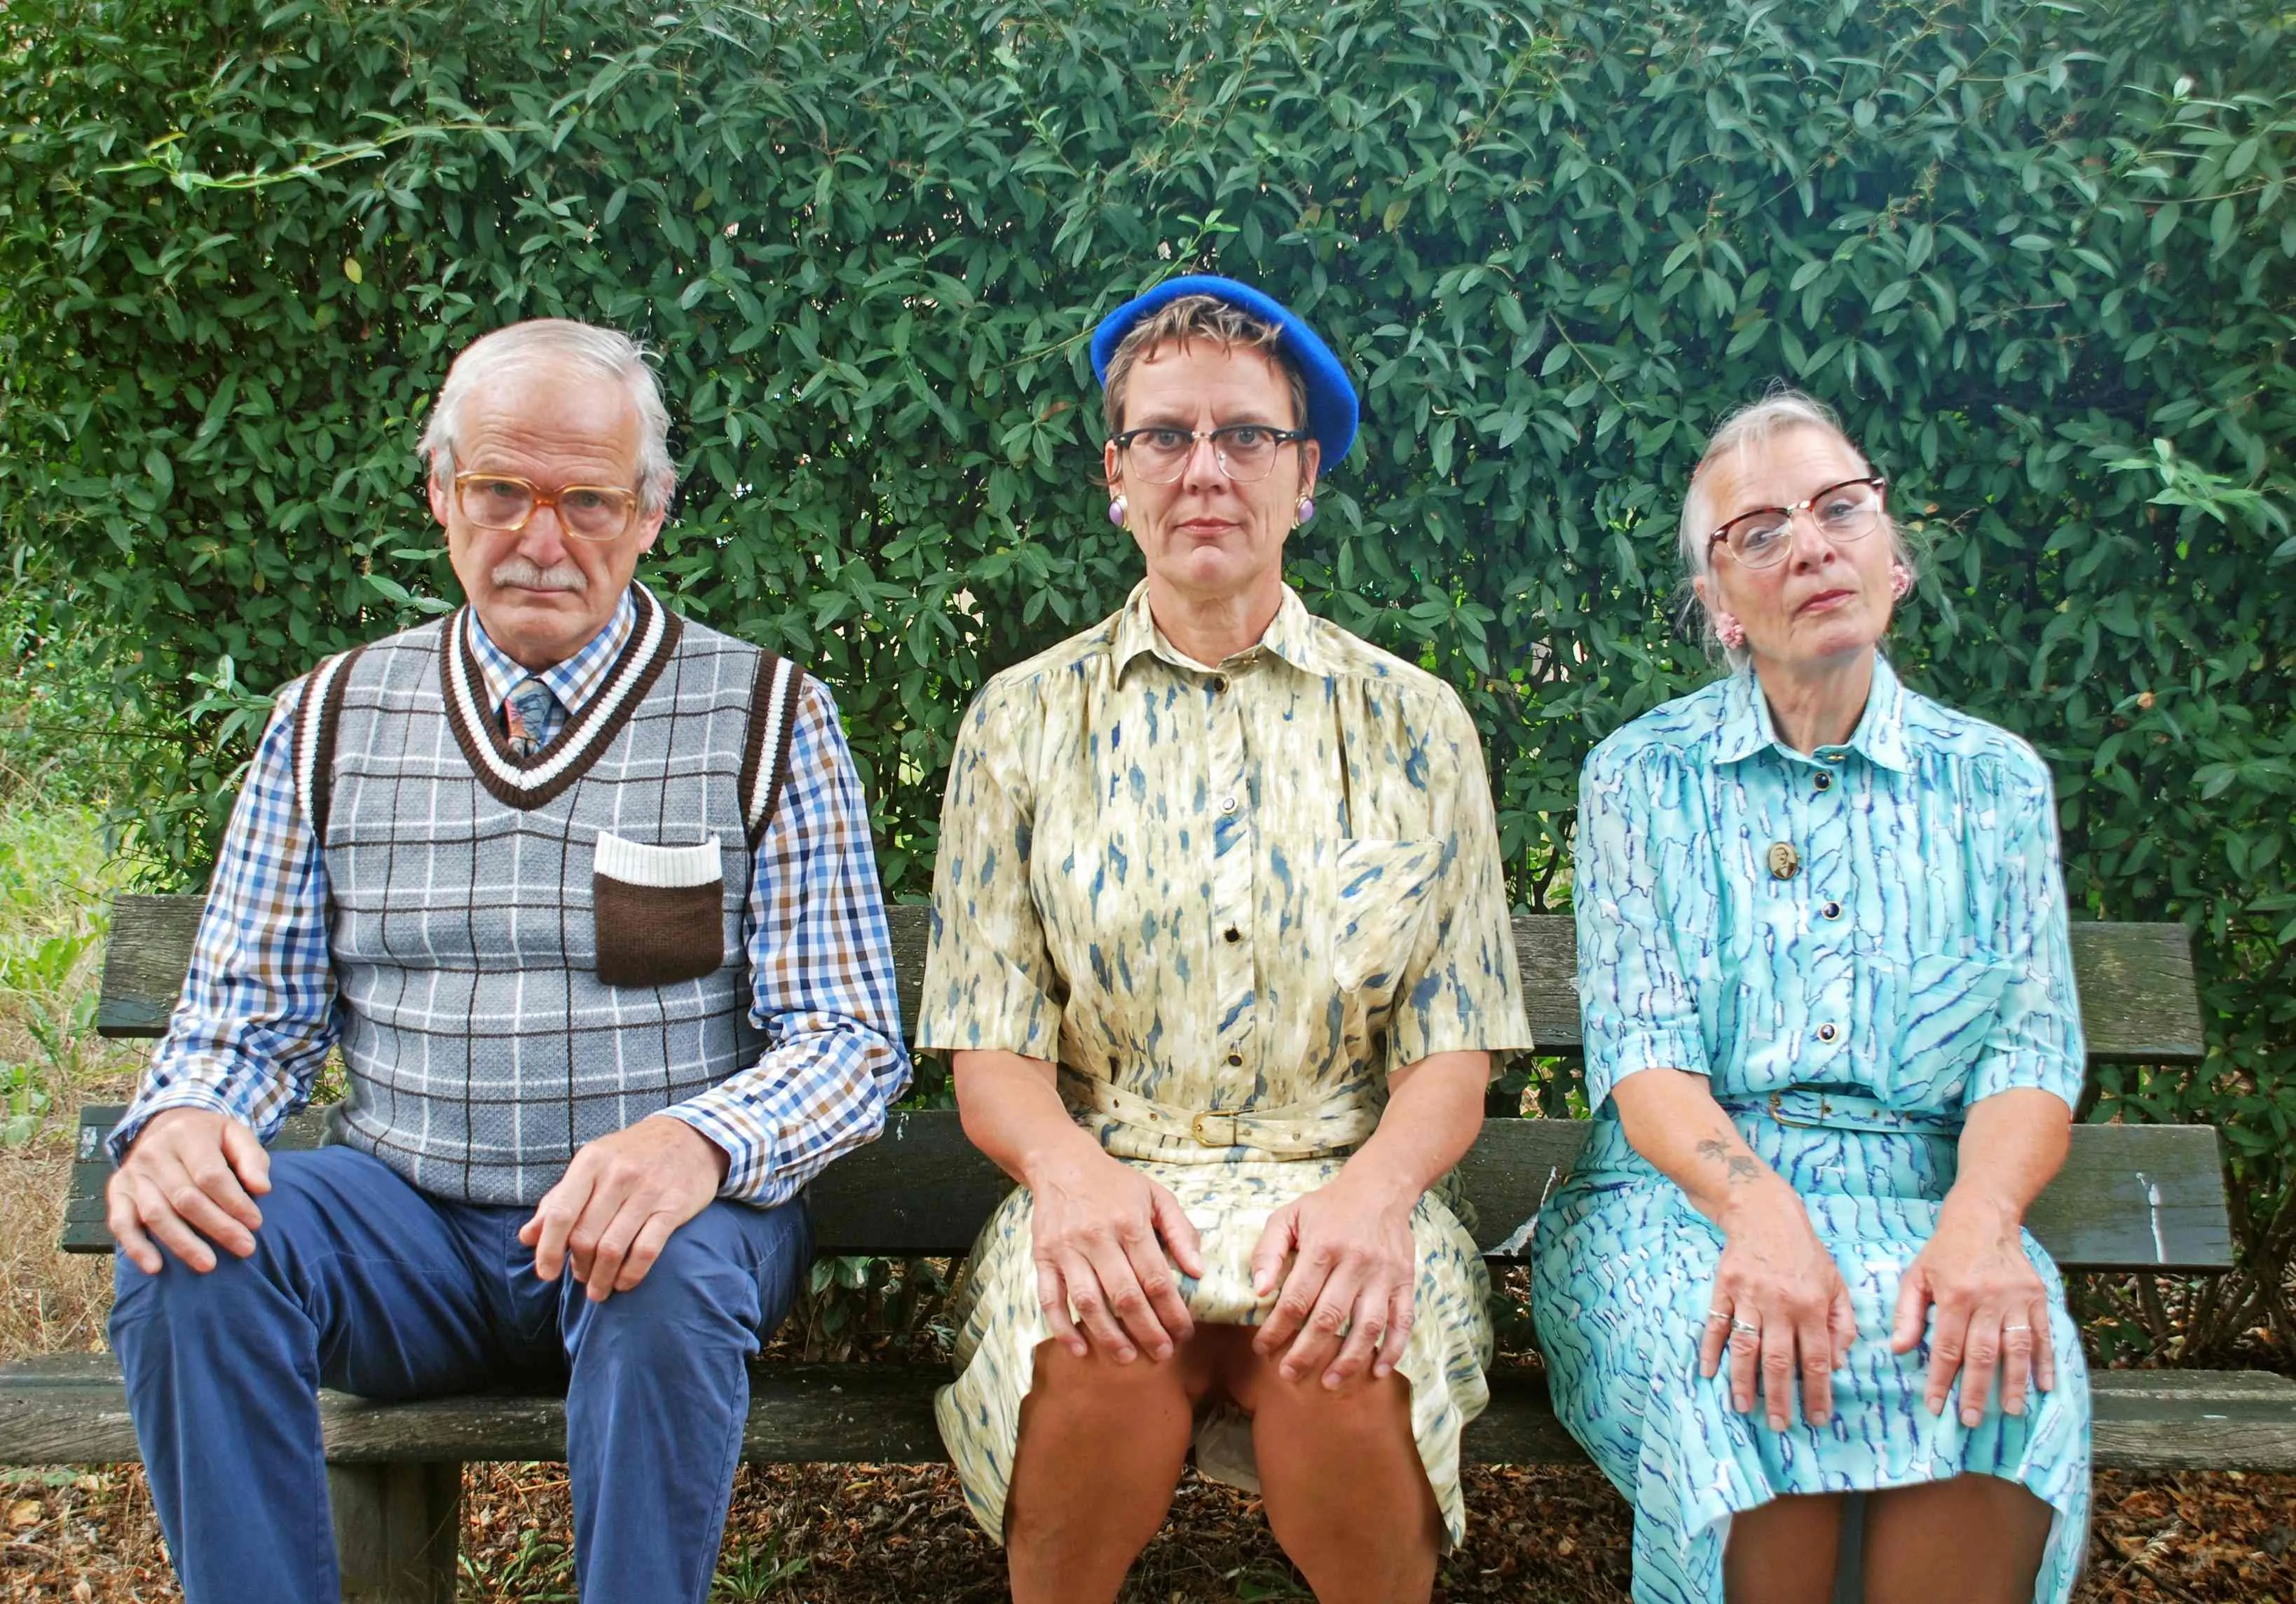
(1901, 581)
(1729, 631)
(1305, 511)
(1116, 512)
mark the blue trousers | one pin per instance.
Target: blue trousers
(362, 1284)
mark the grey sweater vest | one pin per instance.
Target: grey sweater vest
(530, 954)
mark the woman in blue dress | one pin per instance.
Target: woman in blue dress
(1832, 1052)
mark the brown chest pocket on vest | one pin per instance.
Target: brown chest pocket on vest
(659, 911)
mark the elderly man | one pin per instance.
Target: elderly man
(584, 893)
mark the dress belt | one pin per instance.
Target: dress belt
(1300, 1130)
(1826, 1108)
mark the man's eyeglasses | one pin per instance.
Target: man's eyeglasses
(1244, 451)
(506, 504)
(1847, 511)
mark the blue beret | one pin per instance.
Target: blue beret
(1332, 409)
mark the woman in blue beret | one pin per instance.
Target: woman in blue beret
(1221, 951)
(1832, 1050)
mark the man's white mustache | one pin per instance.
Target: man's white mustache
(559, 577)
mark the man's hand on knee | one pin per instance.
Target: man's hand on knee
(191, 1178)
(619, 1202)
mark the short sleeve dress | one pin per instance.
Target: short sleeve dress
(1853, 946)
(1226, 900)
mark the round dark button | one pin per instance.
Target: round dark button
(1236, 1061)
(1826, 1033)
(1831, 910)
(1219, 685)
(1232, 934)
(1823, 780)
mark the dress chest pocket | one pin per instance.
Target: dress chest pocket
(659, 911)
(1377, 896)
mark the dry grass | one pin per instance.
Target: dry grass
(49, 1303)
(53, 876)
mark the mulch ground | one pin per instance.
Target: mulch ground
(875, 1534)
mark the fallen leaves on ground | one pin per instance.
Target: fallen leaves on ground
(883, 1534)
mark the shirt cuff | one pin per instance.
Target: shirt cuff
(2008, 1071)
(1682, 1048)
(736, 1131)
(177, 1094)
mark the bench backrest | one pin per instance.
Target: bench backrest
(2131, 1196)
(2136, 980)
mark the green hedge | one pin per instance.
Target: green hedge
(2041, 256)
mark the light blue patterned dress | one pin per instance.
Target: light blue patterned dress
(1847, 1015)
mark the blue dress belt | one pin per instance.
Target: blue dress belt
(1825, 1108)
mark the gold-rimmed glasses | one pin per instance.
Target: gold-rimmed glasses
(1847, 511)
(506, 504)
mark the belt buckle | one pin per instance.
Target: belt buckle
(1780, 1116)
(1232, 1139)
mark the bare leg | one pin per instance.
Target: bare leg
(1784, 1551)
(1975, 1539)
(1340, 1473)
(1101, 1446)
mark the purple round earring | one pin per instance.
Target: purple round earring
(1116, 510)
(1305, 511)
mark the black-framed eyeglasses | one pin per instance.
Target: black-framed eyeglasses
(1159, 455)
(506, 504)
(1845, 512)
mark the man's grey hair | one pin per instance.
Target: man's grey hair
(1779, 412)
(605, 353)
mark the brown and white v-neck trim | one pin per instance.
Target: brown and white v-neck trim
(528, 782)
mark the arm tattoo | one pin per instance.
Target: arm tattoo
(1741, 1166)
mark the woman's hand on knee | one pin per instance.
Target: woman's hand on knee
(1107, 1239)
(1780, 1311)
(1992, 1312)
(1345, 1305)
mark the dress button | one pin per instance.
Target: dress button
(1823, 779)
(1831, 910)
(1218, 684)
(1236, 1061)
(1826, 1033)
(1227, 804)
(1232, 934)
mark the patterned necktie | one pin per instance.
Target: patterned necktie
(526, 715)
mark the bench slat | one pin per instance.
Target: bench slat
(70, 1409)
(2131, 1197)
(2137, 1000)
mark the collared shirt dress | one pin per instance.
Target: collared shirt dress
(1227, 900)
(1853, 947)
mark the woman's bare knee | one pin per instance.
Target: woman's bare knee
(1346, 1492)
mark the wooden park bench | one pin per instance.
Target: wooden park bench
(2131, 1198)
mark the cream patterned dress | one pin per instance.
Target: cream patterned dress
(1227, 901)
